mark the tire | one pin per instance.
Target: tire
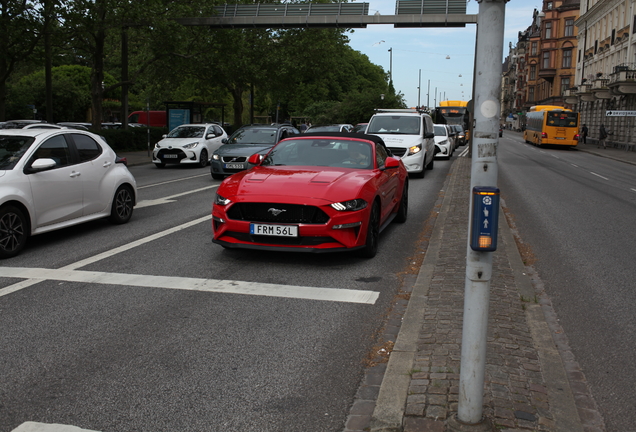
(160, 165)
(218, 176)
(403, 209)
(122, 208)
(373, 233)
(420, 174)
(430, 165)
(203, 158)
(13, 231)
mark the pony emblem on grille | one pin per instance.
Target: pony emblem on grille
(275, 212)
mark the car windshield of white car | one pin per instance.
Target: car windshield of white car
(322, 153)
(187, 132)
(11, 150)
(440, 130)
(399, 125)
(254, 136)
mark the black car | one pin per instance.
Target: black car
(232, 156)
(460, 139)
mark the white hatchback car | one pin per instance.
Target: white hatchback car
(443, 142)
(189, 144)
(56, 178)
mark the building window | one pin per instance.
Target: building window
(548, 30)
(549, 6)
(565, 84)
(534, 49)
(569, 27)
(567, 58)
(533, 72)
(546, 59)
(530, 94)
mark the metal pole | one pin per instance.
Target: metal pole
(419, 85)
(428, 94)
(391, 64)
(487, 88)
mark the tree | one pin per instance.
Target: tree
(18, 27)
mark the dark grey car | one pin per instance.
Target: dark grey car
(232, 156)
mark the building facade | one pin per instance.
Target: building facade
(543, 61)
(605, 92)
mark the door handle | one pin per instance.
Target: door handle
(75, 174)
(107, 164)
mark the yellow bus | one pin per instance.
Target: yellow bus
(453, 112)
(551, 125)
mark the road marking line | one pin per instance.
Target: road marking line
(598, 175)
(194, 284)
(633, 189)
(27, 283)
(168, 199)
(172, 181)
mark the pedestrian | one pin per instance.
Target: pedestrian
(602, 136)
(584, 133)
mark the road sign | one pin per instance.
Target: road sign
(620, 113)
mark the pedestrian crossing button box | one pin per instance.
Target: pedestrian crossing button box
(485, 219)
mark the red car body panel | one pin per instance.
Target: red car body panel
(308, 186)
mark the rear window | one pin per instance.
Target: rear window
(562, 119)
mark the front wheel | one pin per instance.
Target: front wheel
(400, 216)
(430, 165)
(13, 231)
(203, 158)
(373, 233)
(122, 207)
(218, 176)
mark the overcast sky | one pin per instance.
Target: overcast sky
(425, 49)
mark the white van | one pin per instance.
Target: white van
(409, 134)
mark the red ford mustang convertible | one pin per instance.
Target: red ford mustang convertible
(322, 192)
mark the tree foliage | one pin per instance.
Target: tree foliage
(305, 72)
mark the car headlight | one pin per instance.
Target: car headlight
(353, 205)
(216, 156)
(157, 146)
(443, 142)
(191, 145)
(414, 149)
(219, 200)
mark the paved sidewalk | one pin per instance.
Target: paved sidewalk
(532, 380)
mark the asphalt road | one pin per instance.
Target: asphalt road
(576, 213)
(116, 339)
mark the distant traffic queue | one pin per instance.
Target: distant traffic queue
(551, 125)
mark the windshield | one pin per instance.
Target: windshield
(333, 128)
(397, 124)
(254, 136)
(322, 152)
(562, 119)
(12, 148)
(187, 132)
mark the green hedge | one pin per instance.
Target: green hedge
(133, 139)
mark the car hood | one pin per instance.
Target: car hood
(331, 185)
(404, 141)
(178, 142)
(242, 149)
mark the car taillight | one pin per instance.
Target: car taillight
(544, 135)
(121, 160)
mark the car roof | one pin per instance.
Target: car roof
(35, 132)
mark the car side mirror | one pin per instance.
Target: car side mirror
(255, 159)
(164, 136)
(391, 163)
(429, 135)
(224, 140)
(41, 164)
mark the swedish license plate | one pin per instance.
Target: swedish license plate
(170, 156)
(234, 166)
(274, 230)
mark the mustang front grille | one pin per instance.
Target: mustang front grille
(277, 213)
